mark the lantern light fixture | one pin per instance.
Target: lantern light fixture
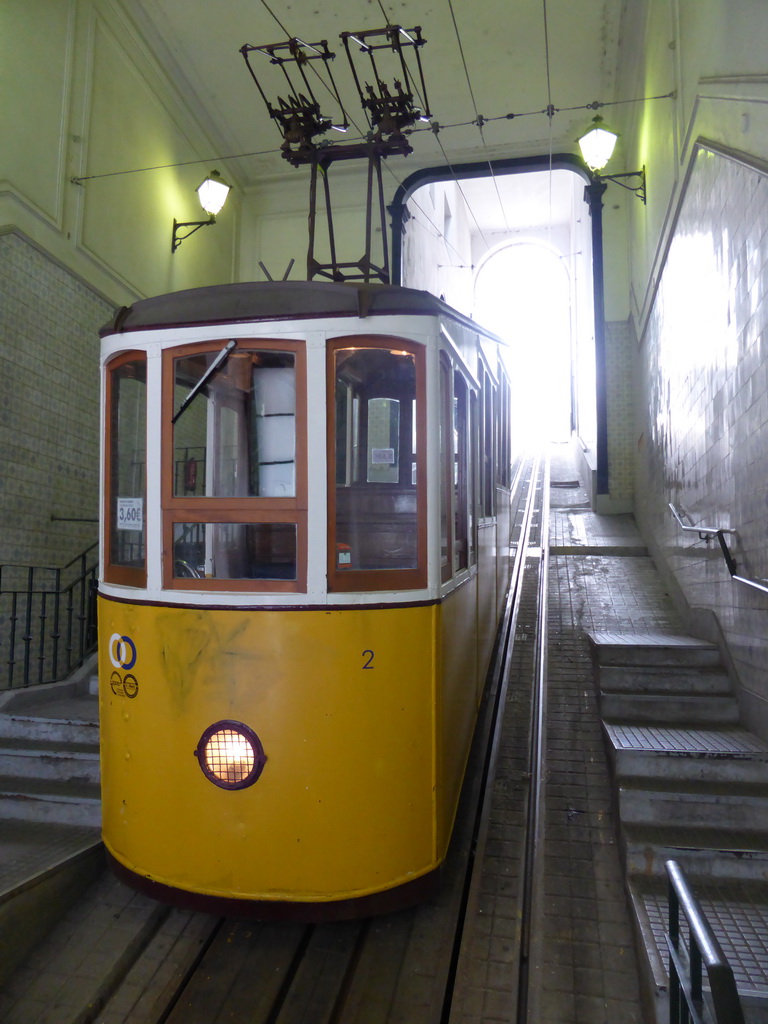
(597, 145)
(212, 193)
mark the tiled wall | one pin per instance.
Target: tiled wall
(618, 375)
(49, 407)
(703, 435)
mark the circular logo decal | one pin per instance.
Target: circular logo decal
(122, 651)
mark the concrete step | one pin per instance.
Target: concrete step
(711, 768)
(67, 803)
(665, 681)
(49, 760)
(659, 649)
(677, 710)
(111, 944)
(49, 729)
(44, 869)
(705, 853)
(693, 805)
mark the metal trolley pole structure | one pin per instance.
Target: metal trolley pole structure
(389, 110)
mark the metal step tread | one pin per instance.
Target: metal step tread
(663, 738)
(738, 915)
(652, 638)
(660, 738)
(660, 649)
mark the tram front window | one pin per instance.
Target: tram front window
(234, 433)
(234, 551)
(234, 458)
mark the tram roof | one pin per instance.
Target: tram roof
(281, 300)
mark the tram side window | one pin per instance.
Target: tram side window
(460, 473)
(504, 448)
(487, 460)
(473, 443)
(446, 469)
(126, 470)
(374, 466)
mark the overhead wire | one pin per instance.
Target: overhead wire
(438, 232)
(594, 105)
(178, 163)
(434, 128)
(550, 112)
(479, 121)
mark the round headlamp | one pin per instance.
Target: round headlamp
(231, 755)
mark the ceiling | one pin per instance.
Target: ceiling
(482, 57)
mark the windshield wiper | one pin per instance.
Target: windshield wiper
(212, 370)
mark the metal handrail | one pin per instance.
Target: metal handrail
(707, 533)
(704, 951)
(47, 619)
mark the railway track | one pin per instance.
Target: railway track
(119, 957)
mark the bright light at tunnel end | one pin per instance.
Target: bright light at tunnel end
(230, 755)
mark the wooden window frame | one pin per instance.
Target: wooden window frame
(463, 468)
(353, 580)
(121, 574)
(247, 510)
(474, 471)
(445, 512)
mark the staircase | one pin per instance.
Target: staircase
(49, 764)
(691, 785)
(50, 810)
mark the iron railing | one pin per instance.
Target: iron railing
(686, 966)
(47, 620)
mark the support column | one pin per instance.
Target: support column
(593, 195)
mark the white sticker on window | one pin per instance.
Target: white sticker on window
(382, 456)
(130, 513)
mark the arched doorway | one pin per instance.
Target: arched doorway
(448, 226)
(522, 292)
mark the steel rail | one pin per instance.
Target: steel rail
(492, 731)
(533, 868)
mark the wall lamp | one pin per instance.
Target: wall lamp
(213, 194)
(596, 147)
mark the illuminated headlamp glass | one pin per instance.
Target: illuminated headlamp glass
(231, 755)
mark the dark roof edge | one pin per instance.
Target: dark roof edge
(246, 302)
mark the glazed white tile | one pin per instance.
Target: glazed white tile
(704, 426)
